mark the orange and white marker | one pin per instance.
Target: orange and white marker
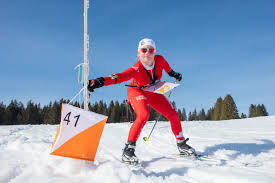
(78, 134)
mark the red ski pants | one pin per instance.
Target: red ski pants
(140, 101)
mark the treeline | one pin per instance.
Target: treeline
(16, 113)
(225, 109)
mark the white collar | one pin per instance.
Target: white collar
(148, 67)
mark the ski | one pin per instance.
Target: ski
(132, 166)
(206, 157)
(200, 157)
(137, 166)
(218, 161)
(134, 163)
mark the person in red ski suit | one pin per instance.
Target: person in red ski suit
(144, 72)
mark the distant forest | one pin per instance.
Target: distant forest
(16, 113)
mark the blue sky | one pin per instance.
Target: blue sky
(221, 47)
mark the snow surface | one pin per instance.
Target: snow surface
(245, 149)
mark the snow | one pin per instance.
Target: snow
(245, 150)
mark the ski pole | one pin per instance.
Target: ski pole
(147, 138)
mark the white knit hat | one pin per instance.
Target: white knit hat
(146, 42)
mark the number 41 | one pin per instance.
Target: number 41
(67, 118)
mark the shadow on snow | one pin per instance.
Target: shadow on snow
(178, 171)
(243, 148)
(239, 148)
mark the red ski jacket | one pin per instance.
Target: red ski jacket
(139, 74)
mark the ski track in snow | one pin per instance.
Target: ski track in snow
(245, 149)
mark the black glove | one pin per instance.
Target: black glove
(95, 83)
(176, 75)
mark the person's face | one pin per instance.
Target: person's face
(147, 54)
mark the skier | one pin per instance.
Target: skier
(145, 72)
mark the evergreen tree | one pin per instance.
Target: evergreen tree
(44, 111)
(51, 115)
(210, 114)
(258, 110)
(33, 113)
(14, 113)
(39, 116)
(95, 107)
(102, 109)
(189, 116)
(58, 111)
(202, 115)
(180, 115)
(194, 116)
(123, 111)
(218, 109)
(111, 105)
(111, 112)
(263, 110)
(184, 117)
(21, 116)
(2, 114)
(115, 112)
(243, 116)
(76, 104)
(29, 113)
(174, 105)
(229, 109)
(252, 111)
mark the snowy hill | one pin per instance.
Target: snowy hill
(245, 150)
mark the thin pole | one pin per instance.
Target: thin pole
(86, 61)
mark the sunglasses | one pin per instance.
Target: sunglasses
(150, 50)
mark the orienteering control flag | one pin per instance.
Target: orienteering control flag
(78, 134)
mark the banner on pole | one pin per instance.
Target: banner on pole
(78, 134)
(80, 73)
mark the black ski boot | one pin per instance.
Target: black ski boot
(128, 155)
(185, 149)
